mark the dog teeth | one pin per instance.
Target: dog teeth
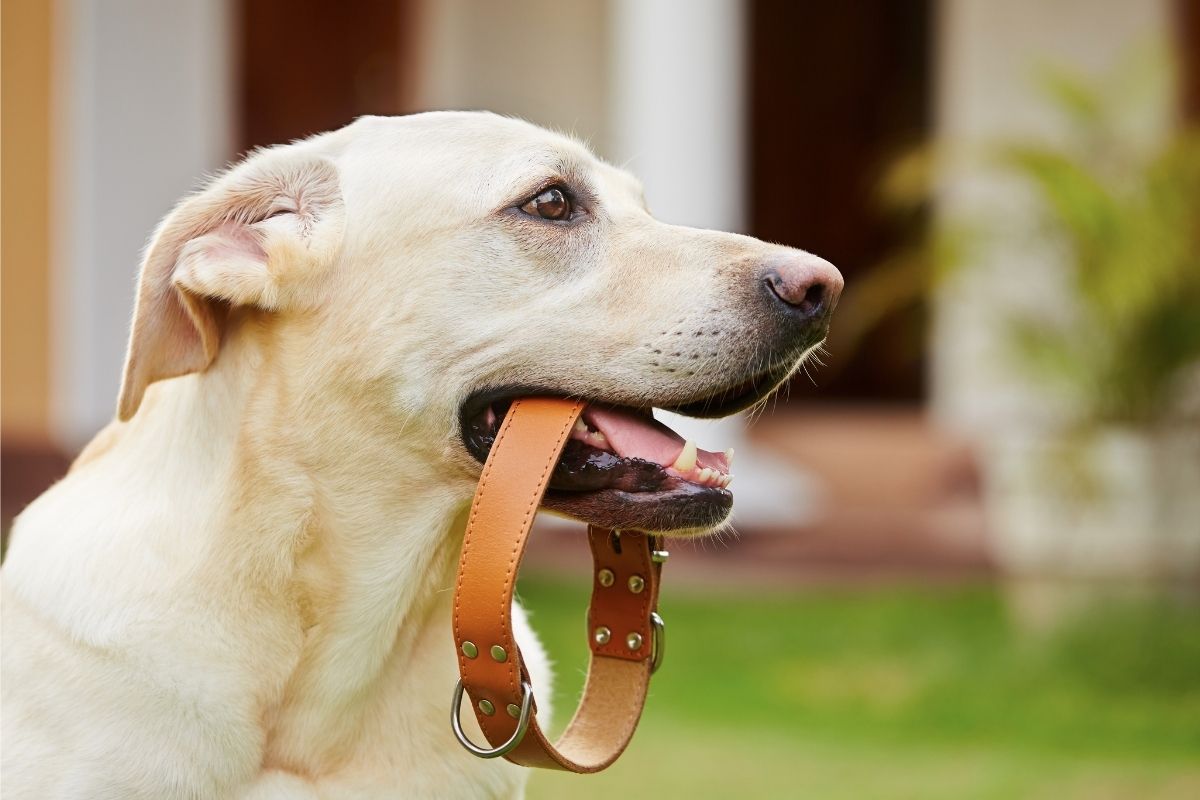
(729, 458)
(580, 427)
(686, 462)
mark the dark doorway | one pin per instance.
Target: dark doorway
(1188, 14)
(837, 91)
(312, 66)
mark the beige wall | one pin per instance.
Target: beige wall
(24, 228)
(542, 60)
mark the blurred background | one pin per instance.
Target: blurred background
(967, 558)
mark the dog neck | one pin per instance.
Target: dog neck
(324, 538)
(374, 530)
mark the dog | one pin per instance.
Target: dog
(242, 586)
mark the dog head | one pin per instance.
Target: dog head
(438, 265)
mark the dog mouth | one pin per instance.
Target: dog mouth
(622, 468)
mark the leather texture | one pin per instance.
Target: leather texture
(512, 485)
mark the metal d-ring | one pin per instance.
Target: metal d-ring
(658, 647)
(513, 741)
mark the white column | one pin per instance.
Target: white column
(143, 112)
(678, 106)
(678, 122)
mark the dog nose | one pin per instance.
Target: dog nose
(806, 286)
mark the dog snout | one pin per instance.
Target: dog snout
(804, 286)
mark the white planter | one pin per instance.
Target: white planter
(1124, 503)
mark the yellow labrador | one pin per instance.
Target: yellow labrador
(241, 589)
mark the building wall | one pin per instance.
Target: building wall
(541, 60)
(25, 209)
(144, 112)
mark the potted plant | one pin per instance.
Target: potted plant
(1113, 488)
(1107, 483)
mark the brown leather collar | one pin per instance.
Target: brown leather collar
(625, 632)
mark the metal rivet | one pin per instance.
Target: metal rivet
(469, 649)
(498, 653)
(602, 635)
(487, 708)
(514, 710)
(606, 577)
(636, 584)
(633, 641)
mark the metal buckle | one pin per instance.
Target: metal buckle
(513, 741)
(658, 646)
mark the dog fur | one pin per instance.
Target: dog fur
(242, 587)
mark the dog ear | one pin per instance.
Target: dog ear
(253, 237)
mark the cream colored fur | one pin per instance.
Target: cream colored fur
(242, 587)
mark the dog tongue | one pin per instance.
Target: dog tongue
(635, 436)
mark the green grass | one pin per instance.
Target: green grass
(894, 693)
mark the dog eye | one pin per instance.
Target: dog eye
(552, 204)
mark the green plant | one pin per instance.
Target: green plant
(1129, 222)
(1124, 212)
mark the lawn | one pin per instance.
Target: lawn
(895, 693)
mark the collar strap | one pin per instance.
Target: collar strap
(624, 631)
